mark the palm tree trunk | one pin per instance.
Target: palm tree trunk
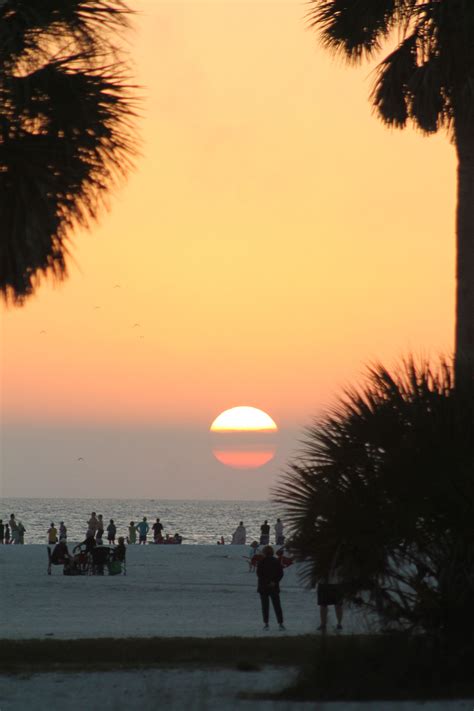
(464, 341)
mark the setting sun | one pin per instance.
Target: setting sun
(243, 419)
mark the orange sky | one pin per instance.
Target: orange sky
(274, 238)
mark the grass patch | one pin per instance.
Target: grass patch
(244, 653)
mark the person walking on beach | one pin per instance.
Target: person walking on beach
(2, 531)
(52, 535)
(264, 534)
(239, 536)
(157, 529)
(100, 530)
(62, 532)
(142, 529)
(111, 532)
(269, 574)
(279, 537)
(132, 533)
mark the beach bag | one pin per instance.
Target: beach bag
(114, 567)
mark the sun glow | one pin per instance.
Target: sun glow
(243, 419)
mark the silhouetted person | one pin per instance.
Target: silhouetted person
(142, 529)
(279, 537)
(264, 534)
(100, 530)
(52, 534)
(157, 529)
(92, 524)
(15, 534)
(2, 531)
(60, 553)
(269, 573)
(330, 592)
(132, 533)
(111, 531)
(62, 531)
(120, 550)
(89, 544)
(240, 534)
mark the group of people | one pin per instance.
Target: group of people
(12, 532)
(270, 570)
(239, 537)
(143, 529)
(99, 555)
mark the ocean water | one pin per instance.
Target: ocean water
(197, 521)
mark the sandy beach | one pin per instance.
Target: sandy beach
(169, 591)
(190, 591)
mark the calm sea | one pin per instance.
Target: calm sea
(197, 521)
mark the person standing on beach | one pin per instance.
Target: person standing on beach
(329, 592)
(62, 532)
(92, 525)
(2, 531)
(52, 535)
(7, 534)
(142, 529)
(15, 534)
(100, 530)
(157, 529)
(269, 574)
(264, 534)
(279, 537)
(132, 533)
(111, 532)
(240, 535)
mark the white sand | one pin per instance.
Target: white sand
(197, 591)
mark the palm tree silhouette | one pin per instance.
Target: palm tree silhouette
(66, 133)
(428, 79)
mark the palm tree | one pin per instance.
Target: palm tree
(66, 132)
(383, 490)
(428, 79)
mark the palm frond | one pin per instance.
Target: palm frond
(390, 92)
(384, 485)
(355, 27)
(66, 131)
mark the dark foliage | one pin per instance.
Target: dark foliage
(384, 491)
(65, 129)
(431, 72)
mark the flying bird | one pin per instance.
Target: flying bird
(80, 459)
(117, 286)
(135, 325)
(42, 331)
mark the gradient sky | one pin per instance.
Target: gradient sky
(273, 240)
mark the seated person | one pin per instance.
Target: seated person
(89, 544)
(60, 554)
(178, 538)
(100, 556)
(120, 550)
